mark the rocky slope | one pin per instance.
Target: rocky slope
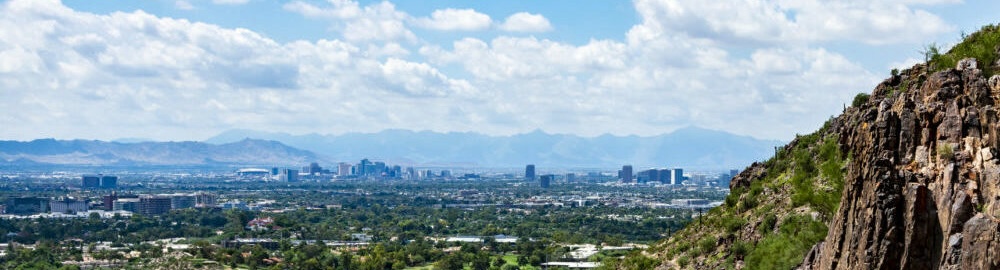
(916, 175)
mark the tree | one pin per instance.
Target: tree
(450, 262)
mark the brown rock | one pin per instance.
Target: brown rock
(908, 203)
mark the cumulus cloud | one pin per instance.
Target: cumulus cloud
(77, 73)
(183, 5)
(455, 20)
(376, 22)
(230, 2)
(872, 22)
(526, 22)
(69, 74)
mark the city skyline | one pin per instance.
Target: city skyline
(186, 70)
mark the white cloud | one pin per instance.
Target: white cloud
(66, 73)
(230, 2)
(455, 20)
(71, 72)
(375, 22)
(526, 22)
(183, 5)
(904, 64)
(872, 22)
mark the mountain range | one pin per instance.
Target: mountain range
(688, 147)
(89, 152)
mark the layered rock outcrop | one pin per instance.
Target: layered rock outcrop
(922, 189)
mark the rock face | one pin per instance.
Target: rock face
(922, 189)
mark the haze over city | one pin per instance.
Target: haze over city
(188, 70)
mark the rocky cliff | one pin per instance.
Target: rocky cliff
(923, 188)
(916, 174)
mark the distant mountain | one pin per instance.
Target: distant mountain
(689, 147)
(84, 152)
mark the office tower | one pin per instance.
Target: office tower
(397, 172)
(379, 169)
(343, 169)
(665, 176)
(546, 180)
(203, 199)
(364, 168)
(27, 205)
(677, 176)
(288, 175)
(91, 181)
(315, 169)
(626, 174)
(109, 181)
(529, 172)
(181, 201)
(109, 200)
(68, 205)
(445, 173)
(274, 171)
(411, 173)
(571, 177)
(651, 175)
(154, 205)
(127, 204)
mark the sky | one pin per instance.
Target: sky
(190, 69)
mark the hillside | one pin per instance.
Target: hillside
(689, 147)
(906, 178)
(83, 152)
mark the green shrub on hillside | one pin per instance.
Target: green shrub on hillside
(785, 249)
(981, 45)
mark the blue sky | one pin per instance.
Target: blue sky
(189, 69)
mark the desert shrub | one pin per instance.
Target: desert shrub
(860, 99)
(785, 249)
(981, 45)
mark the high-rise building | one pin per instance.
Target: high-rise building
(151, 205)
(677, 176)
(288, 175)
(665, 176)
(315, 169)
(411, 173)
(68, 205)
(109, 200)
(529, 172)
(364, 168)
(91, 181)
(27, 205)
(203, 199)
(181, 201)
(343, 169)
(396, 172)
(570, 177)
(127, 204)
(626, 174)
(109, 181)
(546, 180)
(651, 175)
